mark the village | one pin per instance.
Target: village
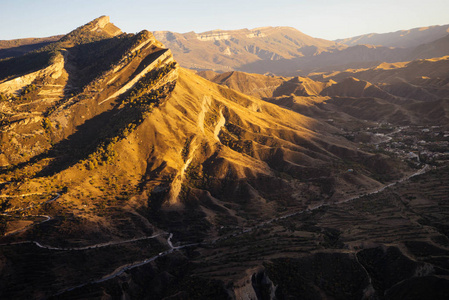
(416, 144)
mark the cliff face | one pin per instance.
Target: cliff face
(103, 24)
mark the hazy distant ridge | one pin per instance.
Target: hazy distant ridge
(402, 38)
(226, 50)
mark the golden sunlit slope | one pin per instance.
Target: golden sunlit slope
(229, 154)
(348, 96)
(303, 86)
(262, 86)
(424, 79)
(393, 72)
(251, 84)
(206, 147)
(352, 87)
(81, 84)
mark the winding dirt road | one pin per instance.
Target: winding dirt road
(120, 270)
(47, 218)
(419, 172)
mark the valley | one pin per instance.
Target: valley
(124, 175)
(231, 243)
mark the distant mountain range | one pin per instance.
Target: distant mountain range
(228, 50)
(399, 39)
(283, 50)
(287, 51)
(400, 87)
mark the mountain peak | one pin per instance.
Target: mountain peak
(98, 28)
(100, 22)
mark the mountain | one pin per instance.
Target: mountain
(424, 79)
(394, 93)
(437, 48)
(78, 124)
(250, 84)
(222, 50)
(124, 175)
(355, 57)
(287, 52)
(283, 50)
(399, 39)
(94, 31)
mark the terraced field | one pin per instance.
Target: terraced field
(408, 221)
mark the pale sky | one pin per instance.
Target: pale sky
(319, 18)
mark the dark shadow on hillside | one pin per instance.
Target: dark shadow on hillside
(33, 160)
(88, 61)
(18, 66)
(98, 131)
(87, 138)
(147, 61)
(278, 67)
(85, 141)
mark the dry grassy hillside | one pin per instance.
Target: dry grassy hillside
(207, 147)
(251, 84)
(387, 92)
(206, 159)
